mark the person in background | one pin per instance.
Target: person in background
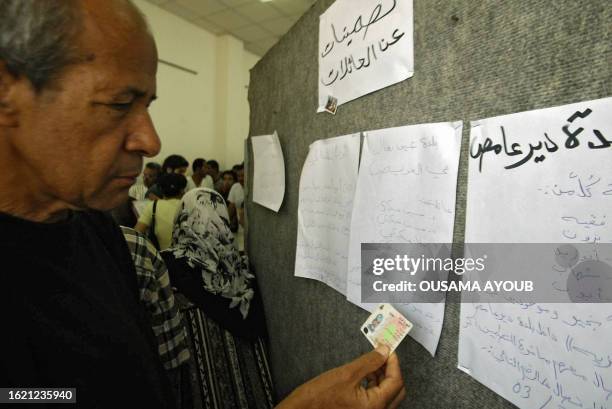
(76, 80)
(235, 197)
(127, 213)
(199, 177)
(150, 174)
(208, 182)
(235, 202)
(175, 164)
(228, 179)
(163, 211)
(212, 167)
(172, 164)
(157, 296)
(221, 304)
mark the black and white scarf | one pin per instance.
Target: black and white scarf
(202, 237)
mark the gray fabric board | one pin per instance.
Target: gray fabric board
(474, 59)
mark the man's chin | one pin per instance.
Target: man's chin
(109, 201)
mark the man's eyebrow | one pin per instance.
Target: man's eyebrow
(131, 91)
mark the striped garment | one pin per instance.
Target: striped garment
(157, 296)
(228, 372)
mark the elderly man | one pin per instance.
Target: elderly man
(76, 81)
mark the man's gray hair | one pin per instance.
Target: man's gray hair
(38, 37)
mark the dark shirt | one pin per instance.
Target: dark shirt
(71, 315)
(189, 282)
(155, 190)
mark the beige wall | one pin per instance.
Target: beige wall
(204, 115)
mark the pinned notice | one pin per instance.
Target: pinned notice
(364, 46)
(269, 171)
(405, 193)
(544, 177)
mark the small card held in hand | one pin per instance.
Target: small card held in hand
(386, 326)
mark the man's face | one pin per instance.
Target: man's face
(149, 176)
(240, 175)
(228, 180)
(181, 171)
(83, 137)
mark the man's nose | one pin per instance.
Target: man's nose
(143, 137)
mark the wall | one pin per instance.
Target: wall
(204, 115)
(233, 65)
(474, 59)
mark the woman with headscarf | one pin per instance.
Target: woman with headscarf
(221, 305)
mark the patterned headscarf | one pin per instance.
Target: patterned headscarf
(202, 237)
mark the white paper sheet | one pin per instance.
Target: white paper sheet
(269, 171)
(327, 189)
(537, 183)
(364, 46)
(406, 194)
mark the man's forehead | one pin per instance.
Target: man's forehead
(123, 56)
(115, 29)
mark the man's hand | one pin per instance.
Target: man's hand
(343, 387)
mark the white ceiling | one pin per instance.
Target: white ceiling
(259, 24)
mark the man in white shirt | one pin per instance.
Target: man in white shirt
(150, 174)
(212, 170)
(199, 178)
(236, 194)
(235, 204)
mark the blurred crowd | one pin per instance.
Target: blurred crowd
(155, 199)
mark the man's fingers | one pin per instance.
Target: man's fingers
(378, 376)
(368, 363)
(390, 390)
(393, 382)
(392, 368)
(372, 380)
(386, 397)
(398, 399)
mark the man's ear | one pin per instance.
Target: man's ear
(8, 108)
